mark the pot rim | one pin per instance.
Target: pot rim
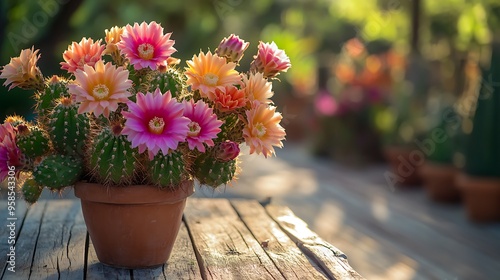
(133, 194)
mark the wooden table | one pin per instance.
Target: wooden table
(219, 239)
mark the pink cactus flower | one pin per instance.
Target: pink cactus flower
(155, 122)
(262, 130)
(11, 158)
(203, 126)
(145, 45)
(227, 151)
(79, 54)
(270, 60)
(232, 48)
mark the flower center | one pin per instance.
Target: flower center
(211, 79)
(156, 125)
(100, 92)
(260, 130)
(146, 51)
(194, 129)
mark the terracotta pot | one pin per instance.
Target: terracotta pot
(133, 226)
(404, 163)
(439, 181)
(481, 196)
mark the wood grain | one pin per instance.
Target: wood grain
(289, 259)
(331, 259)
(21, 209)
(60, 248)
(225, 246)
(27, 239)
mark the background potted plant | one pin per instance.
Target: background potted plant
(480, 179)
(131, 130)
(439, 171)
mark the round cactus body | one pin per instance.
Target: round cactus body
(58, 171)
(212, 172)
(167, 170)
(31, 191)
(112, 160)
(170, 80)
(33, 143)
(68, 128)
(56, 88)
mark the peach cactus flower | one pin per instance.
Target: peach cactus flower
(207, 72)
(79, 54)
(101, 88)
(22, 71)
(230, 98)
(257, 88)
(262, 130)
(112, 38)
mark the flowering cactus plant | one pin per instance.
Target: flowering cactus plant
(126, 113)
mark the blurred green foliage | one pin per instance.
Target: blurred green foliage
(304, 28)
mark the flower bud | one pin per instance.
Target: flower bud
(227, 151)
(232, 48)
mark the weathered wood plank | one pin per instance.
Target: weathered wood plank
(226, 247)
(331, 259)
(289, 259)
(5, 242)
(26, 243)
(99, 271)
(60, 249)
(181, 265)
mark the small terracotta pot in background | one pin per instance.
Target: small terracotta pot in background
(481, 196)
(404, 166)
(133, 226)
(439, 181)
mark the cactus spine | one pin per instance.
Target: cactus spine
(168, 170)
(32, 141)
(55, 89)
(68, 128)
(170, 80)
(112, 159)
(57, 171)
(31, 191)
(212, 172)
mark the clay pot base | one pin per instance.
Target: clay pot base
(481, 196)
(439, 182)
(404, 170)
(133, 226)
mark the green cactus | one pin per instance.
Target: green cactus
(230, 129)
(170, 80)
(68, 129)
(168, 170)
(32, 141)
(31, 191)
(212, 172)
(55, 89)
(112, 159)
(482, 152)
(58, 171)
